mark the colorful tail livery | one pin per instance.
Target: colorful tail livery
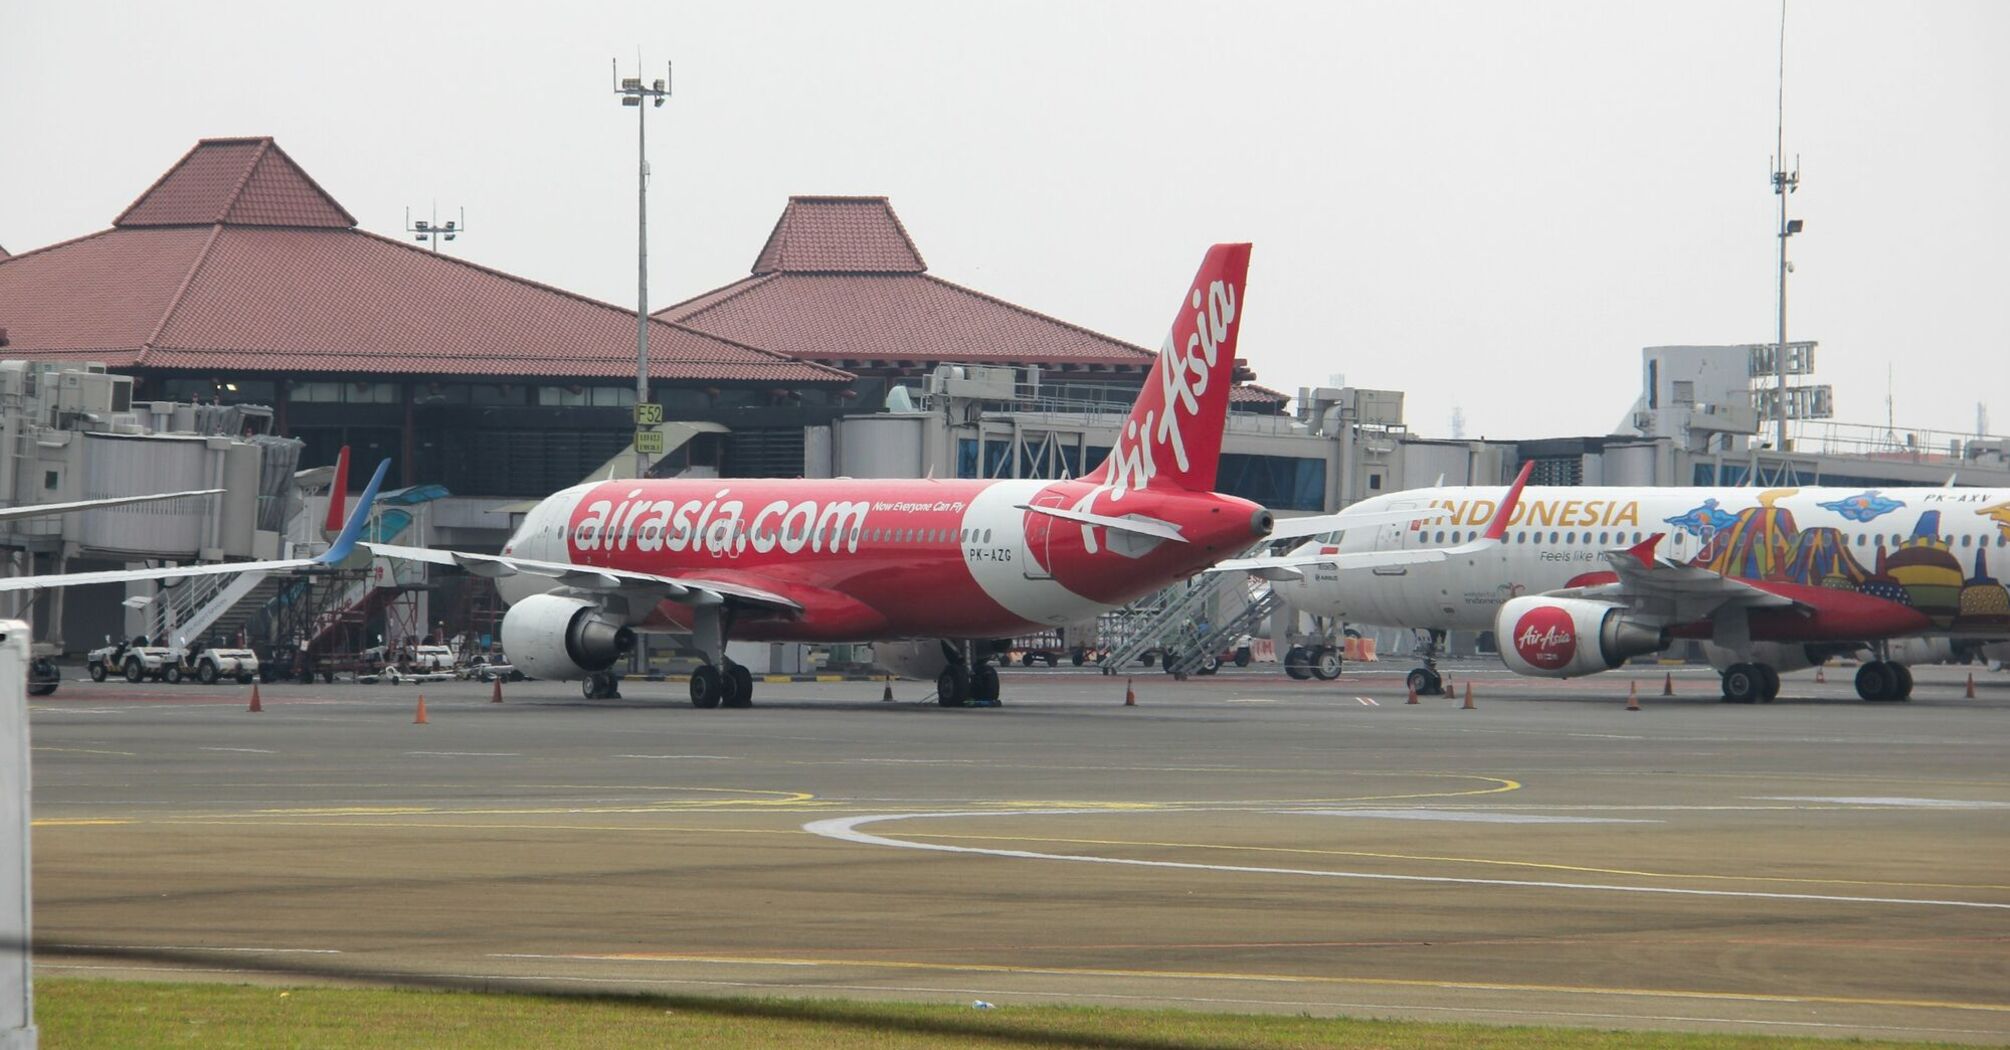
(1173, 435)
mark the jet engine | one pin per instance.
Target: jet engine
(556, 638)
(1568, 637)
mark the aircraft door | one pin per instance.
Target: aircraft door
(1034, 559)
(1394, 536)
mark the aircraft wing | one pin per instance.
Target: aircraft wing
(344, 545)
(1293, 528)
(1352, 559)
(36, 510)
(694, 589)
(1673, 592)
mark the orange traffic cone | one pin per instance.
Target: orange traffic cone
(886, 695)
(420, 718)
(1449, 689)
(1668, 685)
(495, 695)
(1820, 676)
(256, 706)
(1413, 695)
(1469, 698)
(1633, 697)
(1971, 685)
(1130, 695)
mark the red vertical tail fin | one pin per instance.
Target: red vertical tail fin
(1173, 435)
(338, 494)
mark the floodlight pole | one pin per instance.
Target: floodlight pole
(633, 92)
(432, 230)
(1784, 183)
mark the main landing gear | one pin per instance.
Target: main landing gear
(601, 685)
(718, 682)
(1882, 681)
(1748, 683)
(1426, 680)
(964, 682)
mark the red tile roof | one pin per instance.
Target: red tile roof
(839, 235)
(840, 281)
(201, 275)
(1251, 393)
(245, 182)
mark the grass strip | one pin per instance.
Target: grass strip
(79, 1014)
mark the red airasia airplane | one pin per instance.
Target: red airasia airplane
(859, 560)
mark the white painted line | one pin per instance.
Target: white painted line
(1470, 815)
(242, 750)
(1896, 803)
(186, 948)
(1252, 700)
(1368, 701)
(845, 829)
(721, 757)
(466, 754)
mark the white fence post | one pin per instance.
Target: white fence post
(17, 994)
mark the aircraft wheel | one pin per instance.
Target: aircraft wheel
(97, 672)
(1326, 663)
(1743, 683)
(1770, 683)
(1903, 675)
(1297, 663)
(739, 684)
(135, 671)
(1425, 681)
(1877, 682)
(984, 684)
(708, 686)
(952, 686)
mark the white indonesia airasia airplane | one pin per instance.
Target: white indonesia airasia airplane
(958, 563)
(1585, 578)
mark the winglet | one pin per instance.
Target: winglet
(1644, 550)
(1499, 526)
(345, 544)
(338, 491)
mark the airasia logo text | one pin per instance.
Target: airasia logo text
(1546, 638)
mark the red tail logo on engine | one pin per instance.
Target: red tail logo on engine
(1546, 638)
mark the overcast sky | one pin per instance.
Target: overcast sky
(1488, 205)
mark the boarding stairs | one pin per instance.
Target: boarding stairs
(1170, 620)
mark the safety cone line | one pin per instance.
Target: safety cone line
(256, 706)
(1130, 695)
(495, 695)
(1413, 695)
(1469, 698)
(886, 694)
(1668, 685)
(1633, 696)
(420, 718)
(1820, 676)
(1971, 685)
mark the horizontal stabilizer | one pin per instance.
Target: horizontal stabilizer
(1142, 526)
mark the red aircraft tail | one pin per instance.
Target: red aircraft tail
(1173, 436)
(338, 494)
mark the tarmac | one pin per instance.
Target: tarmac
(1816, 866)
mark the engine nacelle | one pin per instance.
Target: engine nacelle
(1568, 637)
(562, 639)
